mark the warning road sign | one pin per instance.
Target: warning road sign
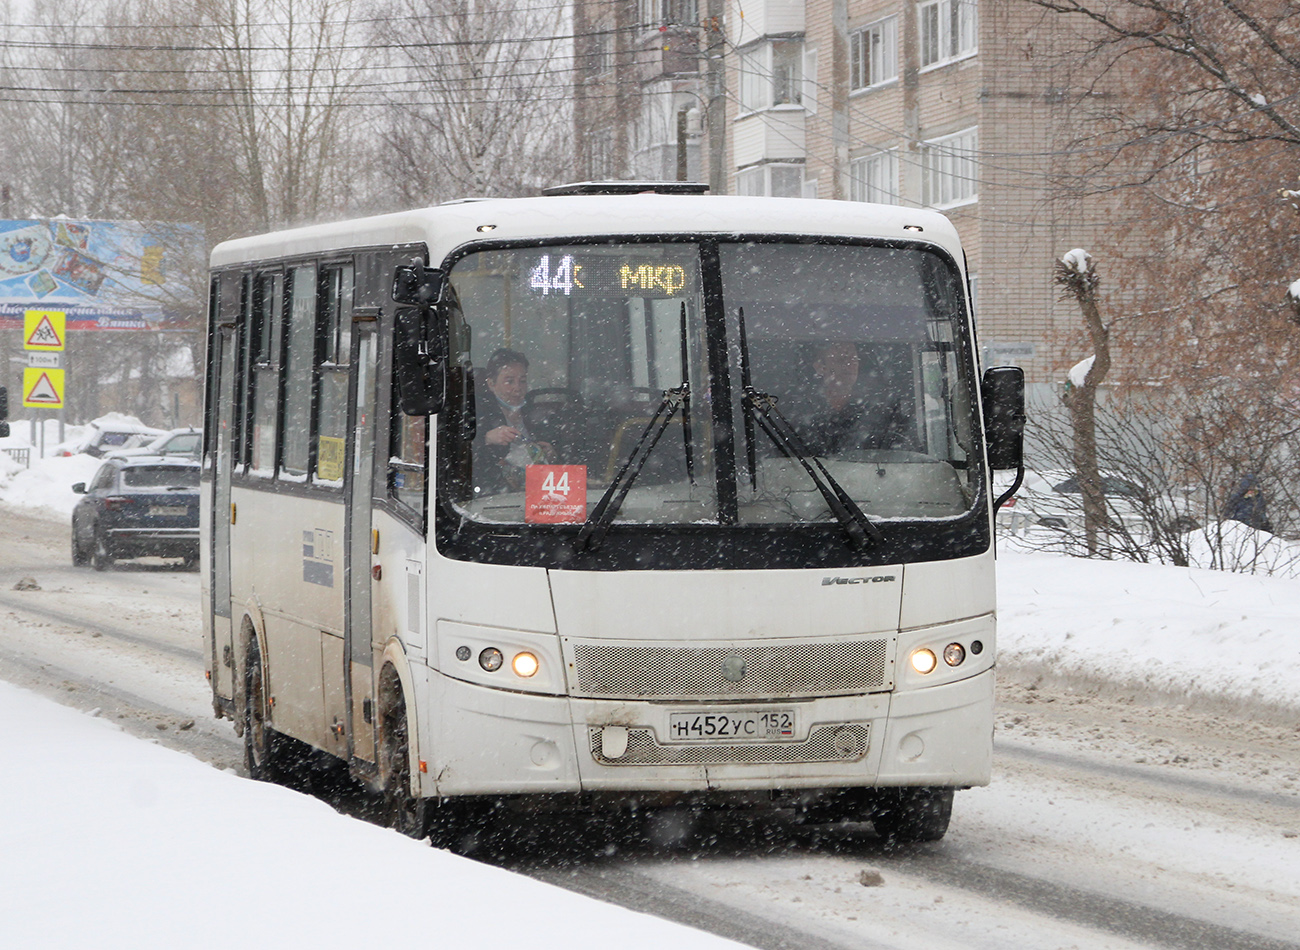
(44, 329)
(43, 388)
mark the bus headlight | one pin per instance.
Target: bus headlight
(491, 659)
(924, 661)
(524, 665)
(953, 654)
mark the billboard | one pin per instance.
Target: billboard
(104, 275)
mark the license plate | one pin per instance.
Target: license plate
(167, 510)
(767, 725)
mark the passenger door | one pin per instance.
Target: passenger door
(359, 544)
(223, 659)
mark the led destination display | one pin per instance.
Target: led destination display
(570, 275)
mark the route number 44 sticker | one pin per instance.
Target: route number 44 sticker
(555, 494)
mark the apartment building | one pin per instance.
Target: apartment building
(956, 105)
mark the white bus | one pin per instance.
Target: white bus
(601, 498)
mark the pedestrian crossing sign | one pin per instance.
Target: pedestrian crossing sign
(44, 329)
(42, 388)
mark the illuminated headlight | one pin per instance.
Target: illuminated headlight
(924, 661)
(524, 665)
(491, 659)
(953, 654)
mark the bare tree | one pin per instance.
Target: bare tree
(1077, 274)
(483, 108)
(98, 127)
(285, 71)
(1181, 127)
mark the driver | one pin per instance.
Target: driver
(507, 443)
(840, 417)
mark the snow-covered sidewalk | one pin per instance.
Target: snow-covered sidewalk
(109, 842)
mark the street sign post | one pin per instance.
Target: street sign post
(45, 330)
(45, 337)
(43, 388)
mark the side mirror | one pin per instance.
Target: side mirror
(416, 286)
(79, 488)
(1004, 416)
(418, 362)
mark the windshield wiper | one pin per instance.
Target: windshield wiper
(598, 522)
(761, 407)
(602, 516)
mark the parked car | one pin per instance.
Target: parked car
(1053, 499)
(104, 436)
(146, 506)
(185, 442)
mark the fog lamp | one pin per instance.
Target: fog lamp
(524, 665)
(924, 661)
(953, 654)
(491, 659)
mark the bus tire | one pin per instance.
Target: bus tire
(905, 815)
(262, 748)
(403, 811)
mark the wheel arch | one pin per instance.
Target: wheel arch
(395, 675)
(252, 630)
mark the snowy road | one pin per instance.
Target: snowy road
(1110, 824)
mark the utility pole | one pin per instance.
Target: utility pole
(716, 95)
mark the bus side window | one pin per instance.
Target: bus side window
(334, 331)
(406, 465)
(243, 374)
(268, 315)
(300, 359)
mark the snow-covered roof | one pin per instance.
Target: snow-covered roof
(446, 227)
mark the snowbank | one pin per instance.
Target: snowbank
(110, 842)
(1233, 546)
(1150, 625)
(47, 485)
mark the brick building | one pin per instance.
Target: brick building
(958, 105)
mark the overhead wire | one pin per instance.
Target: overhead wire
(987, 159)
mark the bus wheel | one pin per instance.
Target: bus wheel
(261, 746)
(100, 559)
(912, 814)
(404, 812)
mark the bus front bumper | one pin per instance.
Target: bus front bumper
(494, 742)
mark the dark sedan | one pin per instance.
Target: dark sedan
(137, 507)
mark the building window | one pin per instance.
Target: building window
(875, 178)
(600, 52)
(777, 181)
(655, 13)
(771, 74)
(873, 54)
(787, 72)
(949, 172)
(949, 29)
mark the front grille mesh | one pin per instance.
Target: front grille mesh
(828, 743)
(799, 669)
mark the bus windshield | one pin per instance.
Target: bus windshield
(587, 361)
